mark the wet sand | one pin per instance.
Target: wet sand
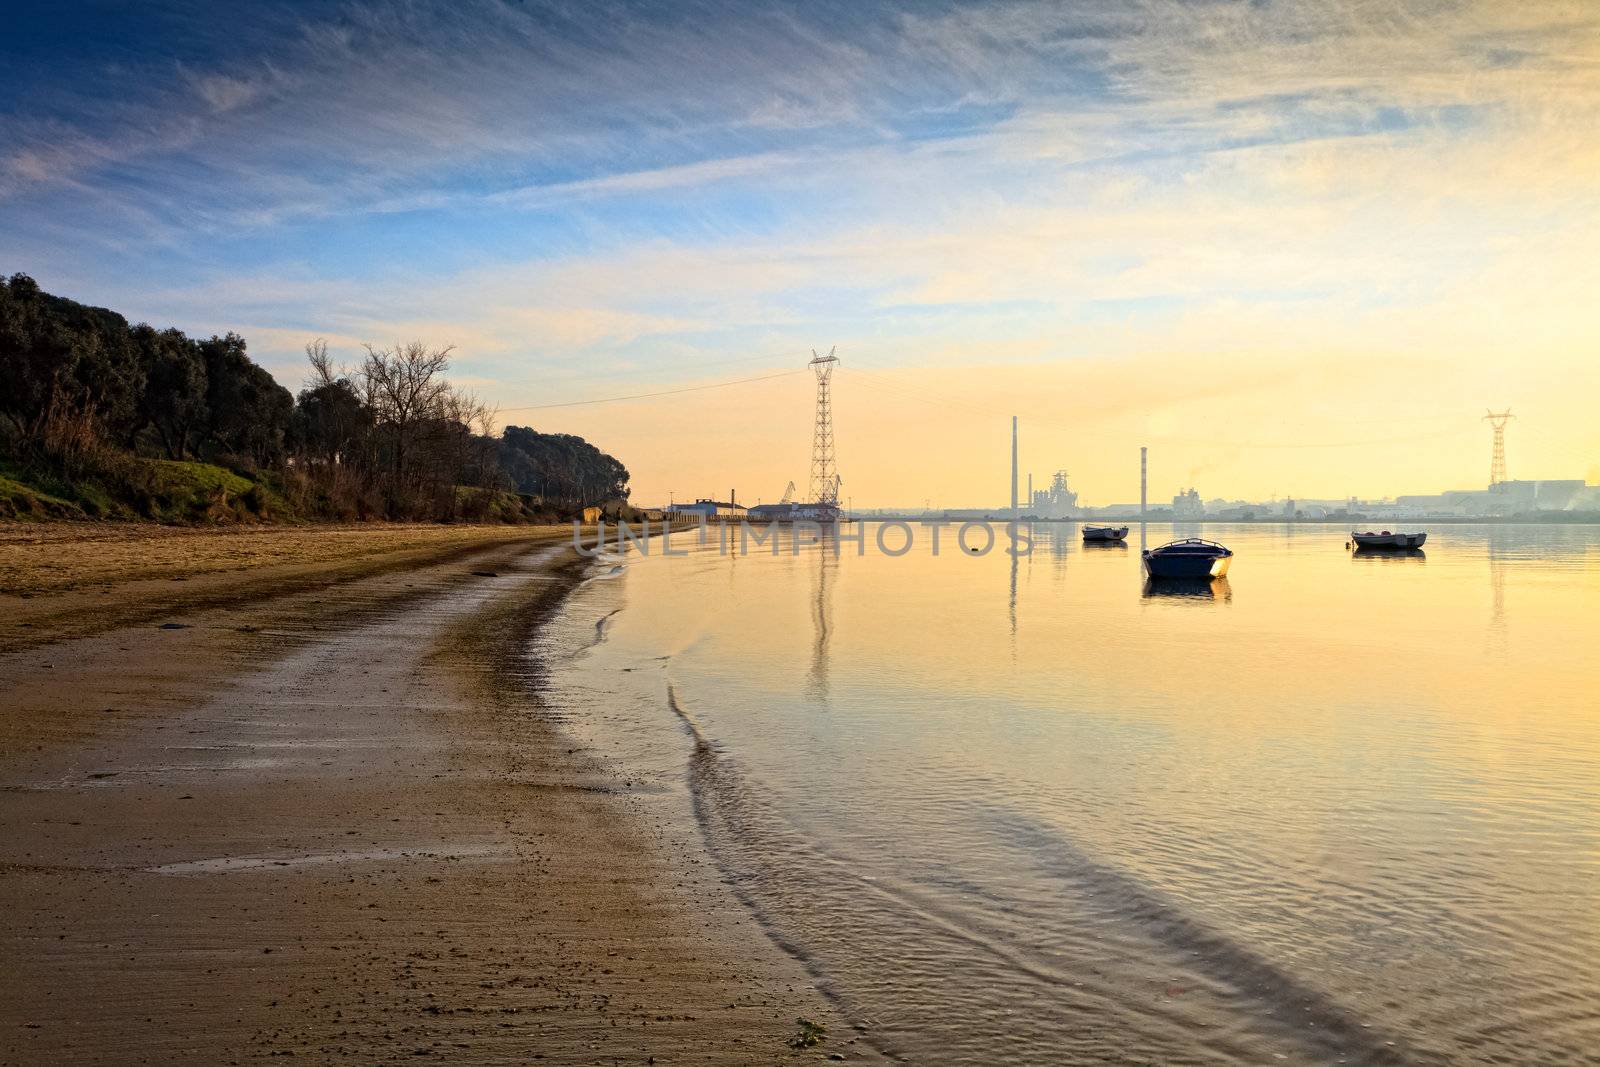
(68, 579)
(320, 812)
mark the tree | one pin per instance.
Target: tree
(331, 423)
(173, 402)
(70, 372)
(561, 468)
(405, 387)
(78, 385)
(248, 410)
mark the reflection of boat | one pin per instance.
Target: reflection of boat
(1388, 553)
(1189, 588)
(1104, 534)
(1193, 557)
(1387, 539)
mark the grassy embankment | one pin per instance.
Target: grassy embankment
(133, 488)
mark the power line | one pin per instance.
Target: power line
(659, 392)
(1577, 455)
(873, 380)
(712, 364)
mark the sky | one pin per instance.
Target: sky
(1295, 248)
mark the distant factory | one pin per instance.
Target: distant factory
(713, 510)
(1502, 498)
(794, 512)
(1507, 498)
(1057, 502)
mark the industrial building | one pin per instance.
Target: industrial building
(1057, 502)
(1187, 505)
(1506, 498)
(794, 512)
(713, 510)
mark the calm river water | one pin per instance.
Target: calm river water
(1330, 809)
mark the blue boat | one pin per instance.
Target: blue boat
(1189, 558)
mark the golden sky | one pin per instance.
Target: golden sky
(1295, 247)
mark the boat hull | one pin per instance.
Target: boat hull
(1175, 566)
(1104, 533)
(1388, 540)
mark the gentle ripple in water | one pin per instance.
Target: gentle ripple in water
(1331, 809)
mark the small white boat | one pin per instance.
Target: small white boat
(1387, 539)
(1105, 533)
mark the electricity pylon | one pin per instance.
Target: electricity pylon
(824, 478)
(1497, 462)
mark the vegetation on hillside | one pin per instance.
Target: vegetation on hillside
(102, 419)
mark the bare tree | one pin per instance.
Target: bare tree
(322, 370)
(406, 388)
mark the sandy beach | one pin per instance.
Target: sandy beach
(291, 792)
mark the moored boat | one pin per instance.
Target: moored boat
(1387, 539)
(1104, 533)
(1192, 557)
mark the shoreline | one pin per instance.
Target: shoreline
(64, 580)
(332, 820)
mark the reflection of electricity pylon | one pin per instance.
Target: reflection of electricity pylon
(822, 618)
(1495, 636)
(824, 479)
(1497, 462)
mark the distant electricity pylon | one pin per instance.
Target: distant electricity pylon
(1497, 462)
(824, 479)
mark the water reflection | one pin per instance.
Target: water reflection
(1011, 602)
(1058, 543)
(1189, 588)
(822, 616)
(1496, 636)
(1362, 552)
(1295, 830)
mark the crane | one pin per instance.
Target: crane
(788, 494)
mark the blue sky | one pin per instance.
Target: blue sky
(1002, 206)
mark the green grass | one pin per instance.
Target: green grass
(186, 492)
(123, 487)
(21, 501)
(129, 487)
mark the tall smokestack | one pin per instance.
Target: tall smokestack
(1029, 501)
(1013, 466)
(1144, 479)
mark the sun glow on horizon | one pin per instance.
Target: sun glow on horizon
(1295, 248)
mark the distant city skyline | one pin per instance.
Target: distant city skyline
(1162, 493)
(1295, 247)
(1165, 500)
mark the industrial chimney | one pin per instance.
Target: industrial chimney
(1013, 466)
(1143, 479)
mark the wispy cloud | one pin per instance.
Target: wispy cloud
(571, 193)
